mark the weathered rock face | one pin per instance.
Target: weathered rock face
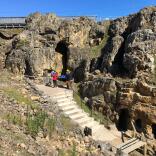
(140, 51)
(111, 96)
(36, 47)
(28, 55)
(98, 86)
(131, 47)
(129, 51)
(102, 92)
(6, 36)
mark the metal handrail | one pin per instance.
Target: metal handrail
(78, 96)
(82, 101)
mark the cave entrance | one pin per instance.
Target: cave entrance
(62, 48)
(154, 130)
(28, 69)
(138, 125)
(117, 68)
(123, 120)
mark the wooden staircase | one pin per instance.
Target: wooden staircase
(131, 145)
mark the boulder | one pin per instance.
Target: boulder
(97, 86)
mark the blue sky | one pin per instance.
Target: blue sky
(100, 8)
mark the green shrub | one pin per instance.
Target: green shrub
(50, 125)
(73, 153)
(36, 123)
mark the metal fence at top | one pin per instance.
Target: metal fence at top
(20, 22)
(12, 20)
(77, 17)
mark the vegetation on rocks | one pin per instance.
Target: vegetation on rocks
(19, 97)
(36, 122)
(98, 116)
(21, 43)
(97, 50)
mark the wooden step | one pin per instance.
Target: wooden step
(127, 142)
(134, 147)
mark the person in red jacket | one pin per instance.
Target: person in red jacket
(55, 78)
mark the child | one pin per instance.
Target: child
(55, 78)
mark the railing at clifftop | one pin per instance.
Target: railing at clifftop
(12, 22)
(20, 22)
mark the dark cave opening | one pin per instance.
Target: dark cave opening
(117, 65)
(154, 130)
(62, 48)
(123, 121)
(138, 125)
(28, 69)
(79, 72)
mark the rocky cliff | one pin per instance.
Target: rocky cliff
(122, 84)
(6, 36)
(35, 49)
(114, 61)
(130, 50)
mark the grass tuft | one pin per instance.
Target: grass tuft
(19, 97)
(14, 118)
(50, 125)
(36, 123)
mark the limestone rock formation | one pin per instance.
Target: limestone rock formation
(131, 46)
(6, 36)
(110, 95)
(140, 52)
(35, 48)
(120, 81)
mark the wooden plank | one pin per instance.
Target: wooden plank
(134, 147)
(127, 142)
(130, 144)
